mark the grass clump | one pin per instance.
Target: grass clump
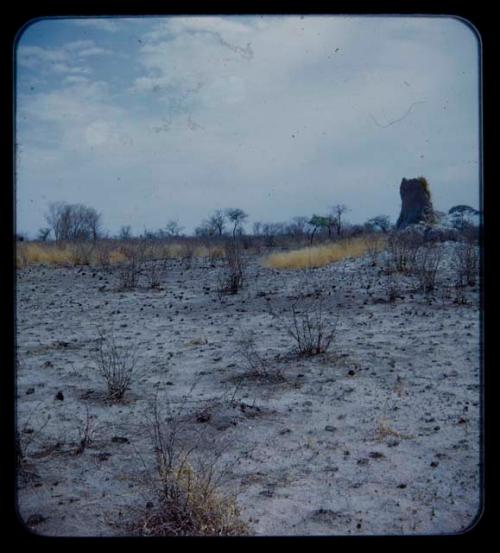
(318, 256)
(190, 500)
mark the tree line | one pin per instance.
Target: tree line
(77, 222)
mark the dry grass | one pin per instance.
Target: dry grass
(190, 500)
(190, 505)
(51, 254)
(319, 256)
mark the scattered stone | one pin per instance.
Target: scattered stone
(203, 417)
(376, 455)
(30, 391)
(120, 440)
(104, 456)
(330, 428)
(59, 396)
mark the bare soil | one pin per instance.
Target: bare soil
(379, 435)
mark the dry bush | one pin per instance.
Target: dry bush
(115, 364)
(374, 245)
(308, 323)
(188, 252)
(103, 254)
(87, 432)
(153, 269)
(426, 266)
(134, 254)
(256, 365)
(214, 253)
(231, 277)
(188, 484)
(465, 264)
(403, 248)
(82, 252)
(319, 256)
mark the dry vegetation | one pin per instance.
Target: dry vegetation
(319, 256)
(316, 355)
(105, 253)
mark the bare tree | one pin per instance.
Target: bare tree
(43, 234)
(336, 217)
(173, 228)
(125, 232)
(73, 222)
(218, 221)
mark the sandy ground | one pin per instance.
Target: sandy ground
(380, 435)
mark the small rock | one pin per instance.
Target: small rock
(104, 456)
(59, 396)
(376, 455)
(30, 391)
(401, 486)
(203, 417)
(330, 428)
(119, 440)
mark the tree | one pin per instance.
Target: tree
(43, 234)
(257, 228)
(336, 217)
(236, 216)
(318, 222)
(218, 221)
(205, 230)
(125, 232)
(75, 222)
(173, 228)
(298, 226)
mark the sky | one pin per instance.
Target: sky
(153, 119)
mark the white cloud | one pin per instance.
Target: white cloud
(68, 58)
(323, 111)
(111, 25)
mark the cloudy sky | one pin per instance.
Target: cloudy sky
(156, 119)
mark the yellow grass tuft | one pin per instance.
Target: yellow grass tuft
(319, 256)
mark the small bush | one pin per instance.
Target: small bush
(256, 365)
(116, 365)
(403, 249)
(426, 266)
(309, 325)
(134, 254)
(374, 245)
(465, 263)
(231, 277)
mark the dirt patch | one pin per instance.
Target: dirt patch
(377, 435)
